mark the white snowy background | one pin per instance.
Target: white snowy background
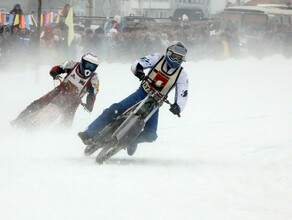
(228, 157)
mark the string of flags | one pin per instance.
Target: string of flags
(47, 19)
(27, 21)
(2, 18)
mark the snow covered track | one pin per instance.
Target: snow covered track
(228, 157)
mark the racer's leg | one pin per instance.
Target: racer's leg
(112, 112)
(147, 135)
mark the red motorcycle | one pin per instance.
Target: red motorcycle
(57, 107)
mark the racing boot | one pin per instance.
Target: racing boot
(132, 148)
(144, 136)
(92, 146)
(84, 137)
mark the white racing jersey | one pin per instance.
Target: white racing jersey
(77, 82)
(170, 77)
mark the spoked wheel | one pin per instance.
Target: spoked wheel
(109, 154)
(107, 151)
(90, 149)
(103, 139)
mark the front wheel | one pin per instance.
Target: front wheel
(107, 151)
(91, 148)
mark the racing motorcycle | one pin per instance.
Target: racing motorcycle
(53, 113)
(125, 128)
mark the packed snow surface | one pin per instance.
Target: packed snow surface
(228, 157)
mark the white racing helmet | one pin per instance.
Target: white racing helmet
(176, 54)
(89, 63)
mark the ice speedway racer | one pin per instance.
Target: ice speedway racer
(123, 130)
(58, 106)
(134, 119)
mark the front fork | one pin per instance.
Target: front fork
(137, 119)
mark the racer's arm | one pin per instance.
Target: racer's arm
(63, 68)
(92, 91)
(143, 63)
(181, 93)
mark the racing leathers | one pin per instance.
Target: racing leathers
(67, 96)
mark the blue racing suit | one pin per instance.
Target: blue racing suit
(159, 71)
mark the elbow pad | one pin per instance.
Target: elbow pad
(139, 72)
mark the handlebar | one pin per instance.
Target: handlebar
(156, 92)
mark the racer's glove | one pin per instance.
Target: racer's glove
(54, 74)
(90, 99)
(56, 70)
(87, 107)
(175, 109)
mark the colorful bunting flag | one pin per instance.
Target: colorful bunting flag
(33, 21)
(47, 19)
(52, 17)
(16, 20)
(26, 21)
(58, 17)
(21, 21)
(11, 18)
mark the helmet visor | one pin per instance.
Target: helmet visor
(89, 66)
(177, 53)
(175, 57)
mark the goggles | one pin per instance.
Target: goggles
(177, 53)
(89, 66)
(175, 57)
